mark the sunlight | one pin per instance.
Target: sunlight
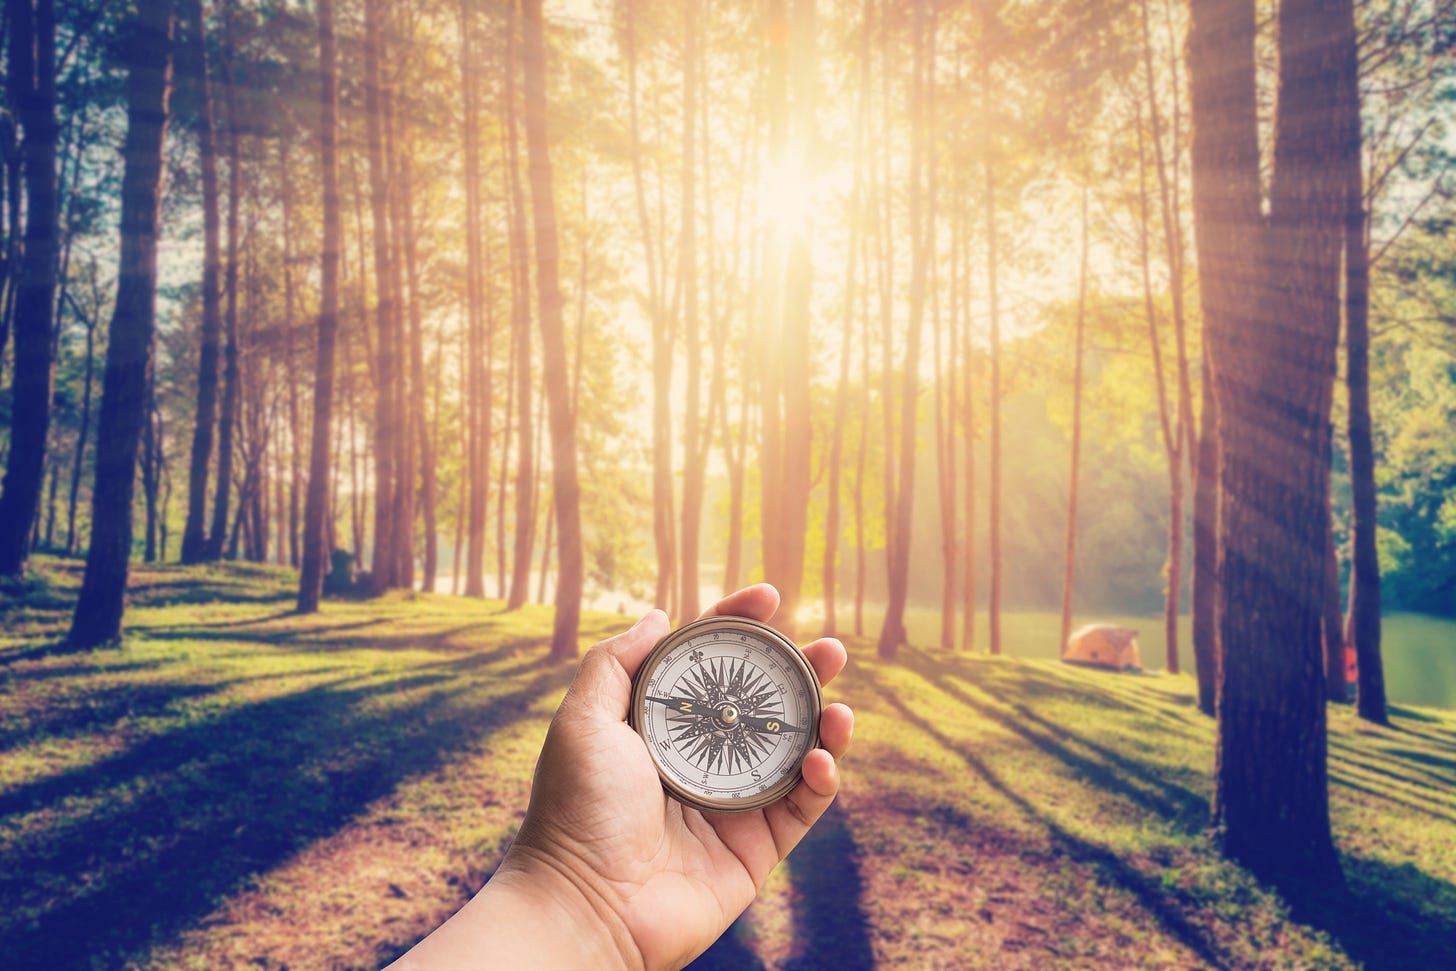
(785, 199)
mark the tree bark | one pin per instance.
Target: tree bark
(1364, 620)
(227, 418)
(1069, 565)
(1331, 621)
(79, 462)
(315, 511)
(566, 490)
(1270, 292)
(148, 52)
(892, 634)
(382, 571)
(194, 533)
(1205, 546)
(695, 450)
(525, 520)
(32, 81)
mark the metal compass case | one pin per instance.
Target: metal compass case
(728, 708)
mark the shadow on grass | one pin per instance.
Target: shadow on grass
(1145, 889)
(830, 927)
(1109, 770)
(829, 921)
(121, 854)
(1390, 917)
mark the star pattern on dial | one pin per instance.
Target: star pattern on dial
(701, 735)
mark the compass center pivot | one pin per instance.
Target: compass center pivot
(728, 716)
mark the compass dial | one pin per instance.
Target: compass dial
(728, 708)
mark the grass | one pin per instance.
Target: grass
(237, 786)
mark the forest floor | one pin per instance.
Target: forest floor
(238, 786)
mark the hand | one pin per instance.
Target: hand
(607, 871)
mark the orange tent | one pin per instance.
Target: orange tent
(1103, 646)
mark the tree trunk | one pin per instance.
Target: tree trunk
(227, 420)
(381, 576)
(79, 462)
(1270, 293)
(892, 634)
(128, 354)
(32, 80)
(525, 522)
(1364, 621)
(695, 452)
(194, 533)
(315, 512)
(1205, 547)
(994, 607)
(289, 538)
(1069, 563)
(1332, 622)
(565, 487)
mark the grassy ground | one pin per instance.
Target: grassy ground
(240, 787)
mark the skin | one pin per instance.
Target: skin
(606, 871)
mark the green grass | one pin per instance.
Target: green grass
(236, 786)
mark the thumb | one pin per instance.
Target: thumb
(603, 683)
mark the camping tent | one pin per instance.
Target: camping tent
(1103, 646)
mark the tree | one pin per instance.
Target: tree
(231, 375)
(1364, 619)
(1070, 559)
(32, 89)
(922, 242)
(315, 511)
(148, 58)
(1270, 302)
(194, 536)
(565, 487)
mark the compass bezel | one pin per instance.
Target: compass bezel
(770, 639)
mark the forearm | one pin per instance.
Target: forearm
(529, 916)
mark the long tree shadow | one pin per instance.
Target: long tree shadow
(1155, 794)
(1145, 889)
(118, 855)
(1390, 917)
(830, 926)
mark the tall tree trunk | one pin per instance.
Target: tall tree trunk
(525, 523)
(1178, 433)
(382, 571)
(289, 540)
(423, 446)
(1069, 564)
(1364, 620)
(151, 469)
(478, 380)
(315, 511)
(79, 462)
(662, 492)
(148, 54)
(194, 533)
(1270, 294)
(694, 441)
(227, 419)
(1205, 545)
(31, 72)
(406, 399)
(1332, 627)
(968, 414)
(565, 487)
(994, 607)
(892, 634)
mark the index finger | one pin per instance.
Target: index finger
(758, 602)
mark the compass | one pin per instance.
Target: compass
(728, 708)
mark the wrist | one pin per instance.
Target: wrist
(571, 914)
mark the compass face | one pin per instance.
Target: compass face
(728, 708)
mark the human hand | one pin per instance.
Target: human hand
(606, 870)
